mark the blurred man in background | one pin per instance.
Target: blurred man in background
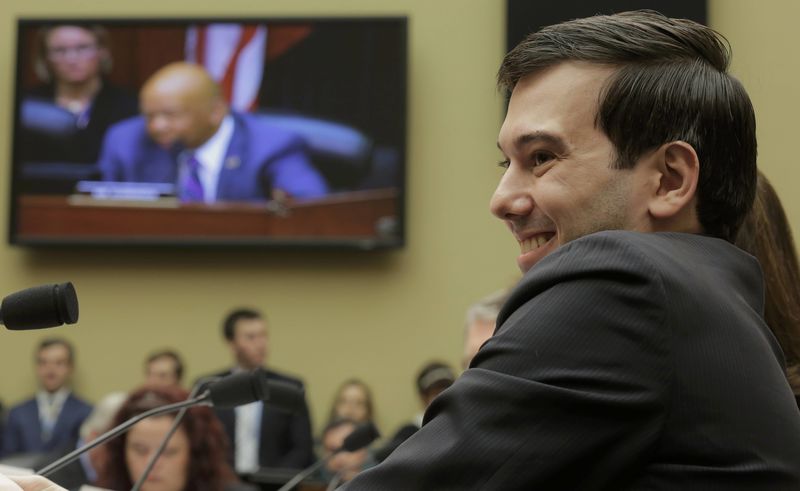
(480, 324)
(164, 368)
(187, 136)
(261, 436)
(51, 418)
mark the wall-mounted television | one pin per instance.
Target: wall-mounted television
(282, 132)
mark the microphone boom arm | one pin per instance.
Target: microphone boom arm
(70, 457)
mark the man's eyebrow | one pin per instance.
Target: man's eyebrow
(536, 137)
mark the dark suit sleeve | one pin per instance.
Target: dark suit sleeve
(567, 395)
(300, 453)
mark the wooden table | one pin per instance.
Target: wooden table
(371, 216)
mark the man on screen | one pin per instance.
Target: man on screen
(187, 135)
(633, 353)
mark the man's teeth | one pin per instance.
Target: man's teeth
(534, 242)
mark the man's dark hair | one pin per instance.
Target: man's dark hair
(671, 84)
(48, 342)
(229, 325)
(434, 376)
(169, 354)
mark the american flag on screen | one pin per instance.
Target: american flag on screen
(234, 56)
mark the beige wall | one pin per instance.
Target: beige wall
(336, 314)
(764, 37)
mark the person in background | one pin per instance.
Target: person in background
(480, 324)
(343, 466)
(353, 402)
(163, 367)
(431, 381)
(262, 436)
(51, 419)
(187, 136)
(84, 470)
(766, 234)
(193, 460)
(72, 62)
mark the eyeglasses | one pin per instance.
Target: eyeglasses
(79, 51)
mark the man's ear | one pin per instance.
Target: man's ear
(678, 170)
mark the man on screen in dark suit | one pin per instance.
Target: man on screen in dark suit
(52, 418)
(260, 435)
(188, 137)
(633, 354)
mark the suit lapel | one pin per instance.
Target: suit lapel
(33, 424)
(61, 421)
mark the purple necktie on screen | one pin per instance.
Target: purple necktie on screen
(192, 189)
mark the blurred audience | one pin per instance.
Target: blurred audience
(262, 436)
(187, 136)
(432, 380)
(164, 368)
(51, 419)
(480, 323)
(353, 402)
(343, 466)
(84, 470)
(71, 61)
(193, 460)
(766, 234)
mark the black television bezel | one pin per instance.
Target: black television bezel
(197, 242)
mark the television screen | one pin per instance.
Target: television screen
(285, 132)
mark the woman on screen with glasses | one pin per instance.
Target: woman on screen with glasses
(72, 62)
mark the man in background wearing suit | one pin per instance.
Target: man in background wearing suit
(187, 136)
(260, 435)
(52, 418)
(633, 353)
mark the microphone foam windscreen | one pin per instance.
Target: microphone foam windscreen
(285, 396)
(40, 307)
(363, 435)
(239, 389)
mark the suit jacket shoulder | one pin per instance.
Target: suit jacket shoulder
(629, 357)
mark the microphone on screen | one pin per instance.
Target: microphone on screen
(40, 307)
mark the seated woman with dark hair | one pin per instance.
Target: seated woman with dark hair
(766, 234)
(193, 460)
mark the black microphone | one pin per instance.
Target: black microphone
(40, 307)
(231, 391)
(246, 387)
(360, 437)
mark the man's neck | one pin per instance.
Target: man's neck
(244, 367)
(60, 390)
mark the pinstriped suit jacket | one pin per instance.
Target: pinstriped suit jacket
(622, 361)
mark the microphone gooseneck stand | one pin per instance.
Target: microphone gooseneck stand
(335, 481)
(58, 464)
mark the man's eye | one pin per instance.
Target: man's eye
(504, 163)
(541, 158)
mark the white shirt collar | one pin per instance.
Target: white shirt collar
(56, 398)
(211, 156)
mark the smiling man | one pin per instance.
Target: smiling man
(633, 354)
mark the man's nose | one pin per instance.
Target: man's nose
(512, 198)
